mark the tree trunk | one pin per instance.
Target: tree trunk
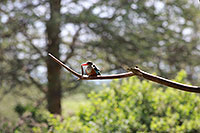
(53, 41)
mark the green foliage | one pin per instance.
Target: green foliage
(58, 124)
(154, 34)
(35, 112)
(132, 105)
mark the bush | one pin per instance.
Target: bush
(135, 105)
(131, 105)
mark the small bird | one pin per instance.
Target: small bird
(91, 69)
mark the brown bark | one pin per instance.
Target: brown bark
(53, 69)
(84, 77)
(134, 72)
(164, 81)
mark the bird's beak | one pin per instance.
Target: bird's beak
(84, 64)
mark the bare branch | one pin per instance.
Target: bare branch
(65, 66)
(84, 77)
(164, 81)
(134, 71)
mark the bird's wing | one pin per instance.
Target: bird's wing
(95, 68)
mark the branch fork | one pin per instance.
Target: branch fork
(132, 72)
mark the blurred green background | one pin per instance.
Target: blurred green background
(37, 95)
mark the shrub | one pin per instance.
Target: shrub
(131, 105)
(135, 105)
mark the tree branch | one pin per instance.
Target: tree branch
(163, 81)
(84, 77)
(134, 71)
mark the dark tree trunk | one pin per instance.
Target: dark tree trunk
(53, 41)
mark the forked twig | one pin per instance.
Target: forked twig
(133, 71)
(163, 81)
(85, 77)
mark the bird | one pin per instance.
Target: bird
(91, 69)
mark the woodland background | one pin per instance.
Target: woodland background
(161, 37)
